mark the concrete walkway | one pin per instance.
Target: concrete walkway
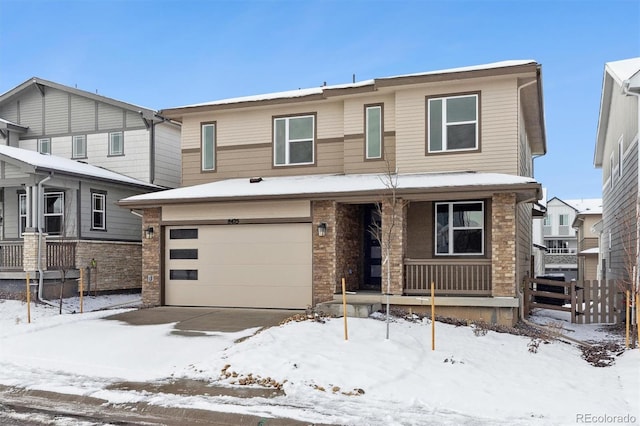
(189, 321)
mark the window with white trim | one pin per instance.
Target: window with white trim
(563, 224)
(294, 139)
(116, 143)
(44, 146)
(23, 213)
(98, 211)
(452, 123)
(620, 155)
(53, 212)
(79, 146)
(208, 146)
(459, 228)
(373, 132)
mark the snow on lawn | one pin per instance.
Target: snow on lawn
(469, 379)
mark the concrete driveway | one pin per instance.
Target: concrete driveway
(190, 321)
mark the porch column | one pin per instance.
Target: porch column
(396, 219)
(503, 245)
(30, 251)
(151, 256)
(324, 251)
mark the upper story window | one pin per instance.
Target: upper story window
(453, 123)
(79, 146)
(208, 148)
(44, 146)
(98, 211)
(116, 143)
(563, 224)
(294, 139)
(460, 228)
(373, 132)
(546, 224)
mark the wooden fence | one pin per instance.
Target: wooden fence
(588, 302)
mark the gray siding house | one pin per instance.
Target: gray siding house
(66, 157)
(616, 153)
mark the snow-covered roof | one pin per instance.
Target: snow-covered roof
(147, 113)
(586, 205)
(320, 89)
(51, 163)
(624, 69)
(333, 185)
(594, 250)
(4, 123)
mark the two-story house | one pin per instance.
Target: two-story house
(560, 238)
(282, 191)
(587, 224)
(66, 157)
(616, 153)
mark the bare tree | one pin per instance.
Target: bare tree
(383, 230)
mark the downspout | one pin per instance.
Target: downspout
(39, 220)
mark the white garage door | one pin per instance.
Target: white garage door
(257, 265)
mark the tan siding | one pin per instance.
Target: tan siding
(523, 242)
(354, 112)
(247, 162)
(240, 210)
(354, 161)
(498, 123)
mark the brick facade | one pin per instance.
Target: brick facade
(118, 264)
(151, 259)
(503, 245)
(30, 252)
(324, 251)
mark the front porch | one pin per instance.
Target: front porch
(108, 265)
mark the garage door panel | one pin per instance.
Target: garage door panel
(258, 265)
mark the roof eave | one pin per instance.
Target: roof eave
(527, 192)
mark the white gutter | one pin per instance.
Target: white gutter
(39, 220)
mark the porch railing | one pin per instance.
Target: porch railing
(61, 254)
(451, 277)
(10, 255)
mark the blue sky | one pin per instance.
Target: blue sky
(162, 54)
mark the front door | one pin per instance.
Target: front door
(372, 250)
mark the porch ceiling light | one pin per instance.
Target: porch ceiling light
(148, 233)
(322, 229)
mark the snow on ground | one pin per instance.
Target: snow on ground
(470, 378)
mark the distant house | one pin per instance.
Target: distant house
(66, 157)
(560, 237)
(616, 153)
(281, 193)
(587, 224)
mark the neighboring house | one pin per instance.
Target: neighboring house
(616, 153)
(281, 192)
(560, 238)
(66, 156)
(587, 225)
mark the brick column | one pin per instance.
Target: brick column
(395, 218)
(324, 251)
(151, 256)
(503, 245)
(30, 252)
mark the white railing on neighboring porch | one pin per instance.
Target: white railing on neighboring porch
(451, 277)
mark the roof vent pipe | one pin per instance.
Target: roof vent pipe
(255, 180)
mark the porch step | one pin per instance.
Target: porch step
(355, 310)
